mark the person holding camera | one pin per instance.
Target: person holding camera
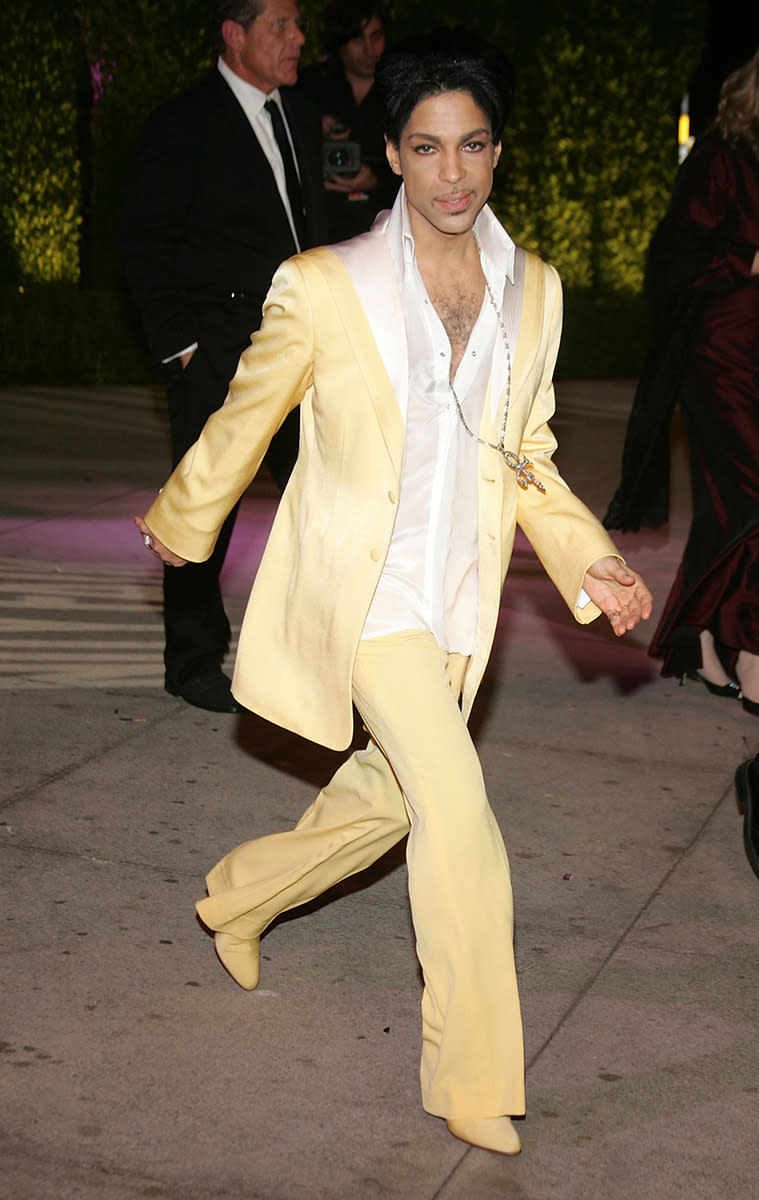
(357, 180)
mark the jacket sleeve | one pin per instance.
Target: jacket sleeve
(159, 196)
(564, 533)
(272, 377)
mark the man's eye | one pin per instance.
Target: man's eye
(475, 146)
(423, 148)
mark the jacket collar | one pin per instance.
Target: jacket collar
(250, 98)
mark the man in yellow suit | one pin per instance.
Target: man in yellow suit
(421, 355)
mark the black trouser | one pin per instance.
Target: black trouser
(195, 623)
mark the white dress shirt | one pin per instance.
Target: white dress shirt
(430, 577)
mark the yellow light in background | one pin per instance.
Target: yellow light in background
(684, 139)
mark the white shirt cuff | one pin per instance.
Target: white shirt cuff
(179, 353)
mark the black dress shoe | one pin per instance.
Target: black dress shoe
(210, 690)
(730, 690)
(747, 794)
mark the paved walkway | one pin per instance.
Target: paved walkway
(133, 1067)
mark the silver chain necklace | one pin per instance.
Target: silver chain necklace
(517, 462)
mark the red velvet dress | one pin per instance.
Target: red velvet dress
(717, 585)
(706, 309)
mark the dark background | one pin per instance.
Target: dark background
(731, 36)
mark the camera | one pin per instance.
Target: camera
(341, 158)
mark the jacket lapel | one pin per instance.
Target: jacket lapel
(531, 323)
(526, 315)
(377, 330)
(254, 166)
(309, 165)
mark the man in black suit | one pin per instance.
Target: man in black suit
(217, 200)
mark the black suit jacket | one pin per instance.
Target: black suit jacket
(205, 227)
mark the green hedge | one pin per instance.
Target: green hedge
(40, 162)
(604, 337)
(60, 334)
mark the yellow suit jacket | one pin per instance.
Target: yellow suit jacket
(333, 526)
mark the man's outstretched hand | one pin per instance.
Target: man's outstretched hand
(618, 592)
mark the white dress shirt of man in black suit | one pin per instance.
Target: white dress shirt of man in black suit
(209, 216)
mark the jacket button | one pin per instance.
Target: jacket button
(375, 555)
(391, 496)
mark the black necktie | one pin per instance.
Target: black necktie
(292, 182)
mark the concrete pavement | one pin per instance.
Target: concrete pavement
(132, 1066)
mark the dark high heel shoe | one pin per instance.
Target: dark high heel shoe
(750, 706)
(747, 795)
(730, 690)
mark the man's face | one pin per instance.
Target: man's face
(446, 157)
(266, 53)
(361, 54)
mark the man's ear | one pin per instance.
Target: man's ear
(233, 35)
(393, 157)
(496, 153)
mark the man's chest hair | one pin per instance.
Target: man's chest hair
(458, 310)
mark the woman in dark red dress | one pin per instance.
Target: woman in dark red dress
(704, 275)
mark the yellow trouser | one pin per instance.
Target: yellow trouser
(419, 774)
